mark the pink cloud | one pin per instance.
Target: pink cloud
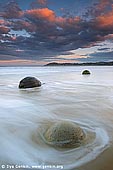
(4, 30)
(5, 23)
(2, 22)
(102, 5)
(105, 21)
(42, 13)
(49, 15)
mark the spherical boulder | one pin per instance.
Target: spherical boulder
(86, 72)
(64, 134)
(29, 82)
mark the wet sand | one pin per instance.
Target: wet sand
(103, 162)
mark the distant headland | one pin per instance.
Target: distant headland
(81, 64)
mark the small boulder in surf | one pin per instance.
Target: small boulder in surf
(29, 82)
(86, 72)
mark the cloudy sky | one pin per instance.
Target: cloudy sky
(41, 31)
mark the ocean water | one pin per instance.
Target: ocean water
(65, 94)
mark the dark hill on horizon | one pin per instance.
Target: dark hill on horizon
(81, 64)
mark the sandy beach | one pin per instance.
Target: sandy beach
(103, 162)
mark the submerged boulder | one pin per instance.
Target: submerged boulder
(86, 72)
(29, 82)
(64, 134)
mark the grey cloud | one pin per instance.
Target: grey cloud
(103, 49)
(98, 56)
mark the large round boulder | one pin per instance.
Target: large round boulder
(86, 72)
(64, 134)
(29, 82)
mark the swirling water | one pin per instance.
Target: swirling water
(64, 95)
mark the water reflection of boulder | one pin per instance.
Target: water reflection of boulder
(64, 134)
(29, 82)
(86, 72)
